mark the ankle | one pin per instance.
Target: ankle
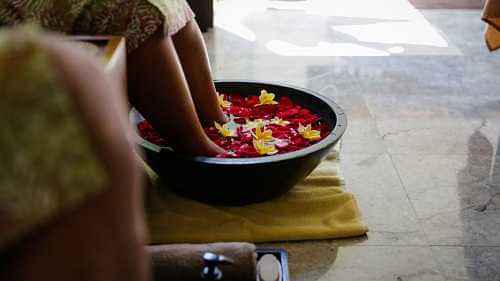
(202, 146)
(218, 116)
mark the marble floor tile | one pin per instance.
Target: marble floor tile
(437, 124)
(468, 263)
(456, 197)
(383, 202)
(354, 105)
(444, 4)
(431, 105)
(468, 217)
(362, 135)
(462, 27)
(383, 263)
(322, 261)
(444, 136)
(366, 76)
(295, 71)
(422, 172)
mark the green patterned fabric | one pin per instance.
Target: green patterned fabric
(47, 163)
(136, 20)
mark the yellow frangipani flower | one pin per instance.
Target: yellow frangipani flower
(225, 130)
(264, 148)
(262, 134)
(266, 98)
(280, 122)
(222, 102)
(250, 125)
(308, 133)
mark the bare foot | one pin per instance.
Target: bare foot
(203, 148)
(220, 118)
(214, 149)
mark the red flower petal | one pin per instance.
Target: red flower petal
(243, 108)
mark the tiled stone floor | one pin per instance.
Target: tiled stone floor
(421, 150)
(448, 4)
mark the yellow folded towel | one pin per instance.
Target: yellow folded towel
(317, 208)
(491, 15)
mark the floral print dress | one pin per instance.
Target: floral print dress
(136, 20)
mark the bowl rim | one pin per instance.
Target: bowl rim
(337, 132)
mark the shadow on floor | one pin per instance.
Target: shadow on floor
(478, 187)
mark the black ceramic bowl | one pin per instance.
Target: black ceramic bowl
(240, 181)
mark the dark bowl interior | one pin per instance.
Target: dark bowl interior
(241, 181)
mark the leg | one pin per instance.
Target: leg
(194, 59)
(158, 88)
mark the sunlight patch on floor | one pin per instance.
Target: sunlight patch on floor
(323, 49)
(415, 33)
(342, 28)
